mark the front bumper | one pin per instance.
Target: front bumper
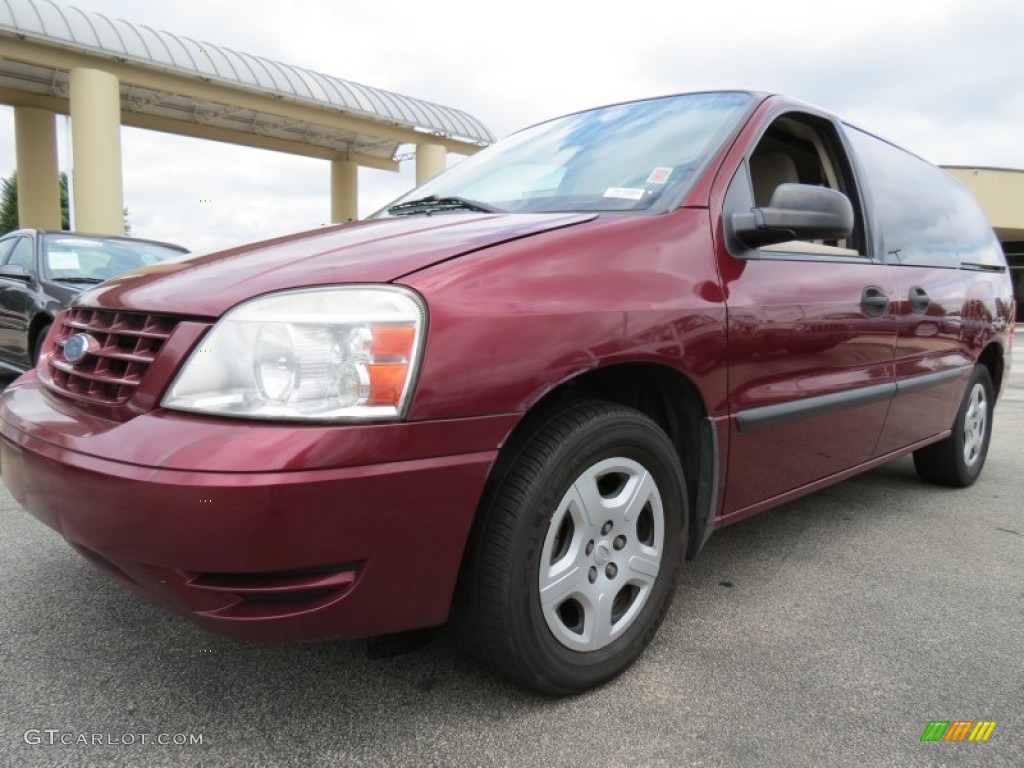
(242, 538)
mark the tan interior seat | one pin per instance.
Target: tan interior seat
(767, 171)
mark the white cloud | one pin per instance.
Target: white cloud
(939, 77)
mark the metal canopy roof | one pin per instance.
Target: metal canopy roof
(70, 29)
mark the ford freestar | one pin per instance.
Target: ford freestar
(524, 393)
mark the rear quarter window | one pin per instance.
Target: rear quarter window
(926, 216)
(979, 247)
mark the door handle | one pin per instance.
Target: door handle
(919, 300)
(874, 302)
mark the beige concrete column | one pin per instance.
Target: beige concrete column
(35, 136)
(96, 146)
(344, 191)
(430, 161)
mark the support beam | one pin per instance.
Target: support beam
(197, 131)
(96, 145)
(344, 191)
(430, 161)
(35, 134)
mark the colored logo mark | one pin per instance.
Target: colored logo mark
(958, 730)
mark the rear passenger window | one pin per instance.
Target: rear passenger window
(915, 203)
(5, 248)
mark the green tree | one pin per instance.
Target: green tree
(65, 210)
(9, 204)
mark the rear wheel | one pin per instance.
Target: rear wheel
(575, 562)
(958, 460)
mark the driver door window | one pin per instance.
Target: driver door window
(795, 150)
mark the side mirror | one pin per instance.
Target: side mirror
(15, 272)
(796, 212)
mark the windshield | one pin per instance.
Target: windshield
(627, 157)
(76, 258)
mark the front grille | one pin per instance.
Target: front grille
(126, 344)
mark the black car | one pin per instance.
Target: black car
(41, 272)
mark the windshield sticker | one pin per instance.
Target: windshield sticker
(64, 260)
(659, 175)
(626, 193)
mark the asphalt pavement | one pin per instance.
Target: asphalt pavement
(827, 632)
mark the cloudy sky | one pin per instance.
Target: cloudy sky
(942, 78)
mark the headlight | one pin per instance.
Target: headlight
(318, 354)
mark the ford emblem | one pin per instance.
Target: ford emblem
(78, 346)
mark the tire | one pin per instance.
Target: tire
(957, 460)
(575, 560)
(37, 345)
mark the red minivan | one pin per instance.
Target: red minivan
(522, 395)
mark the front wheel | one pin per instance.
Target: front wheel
(575, 562)
(957, 460)
(37, 346)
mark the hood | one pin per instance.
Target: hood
(375, 251)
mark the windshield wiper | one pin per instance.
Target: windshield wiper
(86, 280)
(433, 203)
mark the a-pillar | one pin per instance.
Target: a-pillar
(344, 191)
(96, 148)
(35, 136)
(430, 161)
